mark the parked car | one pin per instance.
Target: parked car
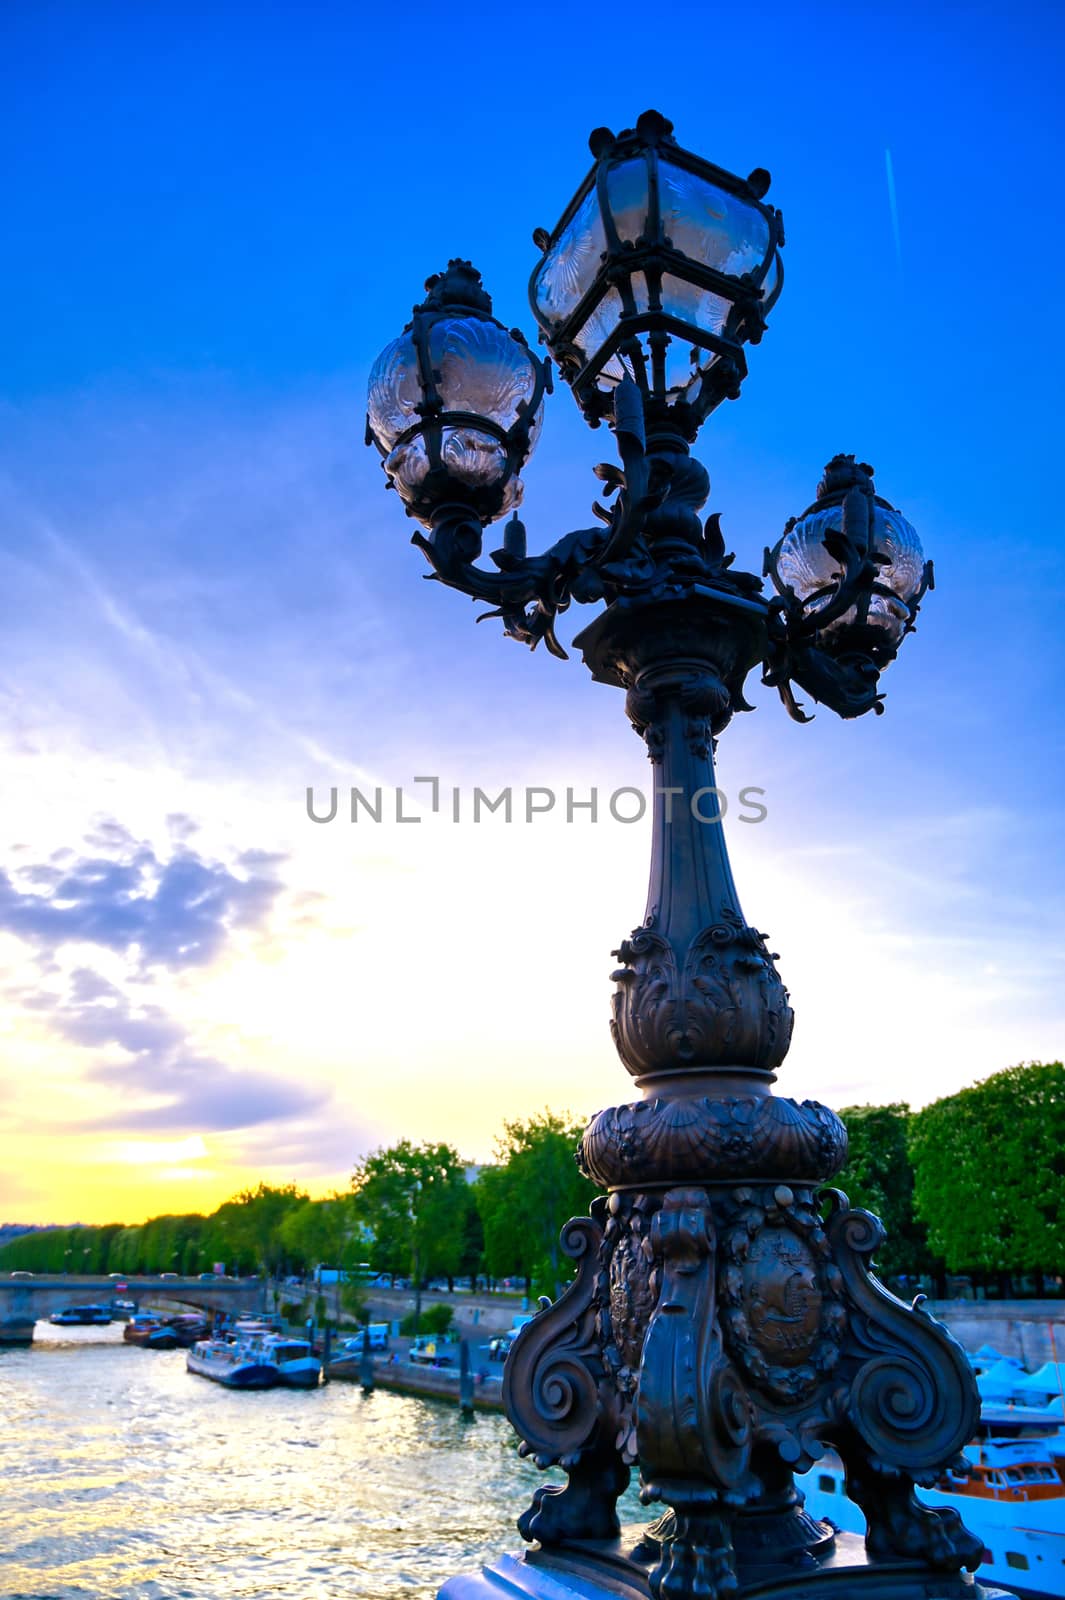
(428, 1350)
(352, 1347)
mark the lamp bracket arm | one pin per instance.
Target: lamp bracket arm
(641, 488)
(847, 684)
(527, 592)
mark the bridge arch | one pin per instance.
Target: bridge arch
(26, 1300)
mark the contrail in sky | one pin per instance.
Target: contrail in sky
(893, 203)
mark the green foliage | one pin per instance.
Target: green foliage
(243, 1234)
(53, 1250)
(471, 1259)
(412, 1201)
(252, 1222)
(879, 1177)
(321, 1233)
(989, 1172)
(528, 1197)
(164, 1244)
(435, 1319)
(353, 1299)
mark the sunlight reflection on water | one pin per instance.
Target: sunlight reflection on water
(123, 1476)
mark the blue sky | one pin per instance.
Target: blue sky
(214, 219)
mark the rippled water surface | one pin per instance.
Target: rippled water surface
(122, 1475)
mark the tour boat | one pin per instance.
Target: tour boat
(149, 1330)
(188, 1327)
(297, 1365)
(236, 1363)
(80, 1316)
(1013, 1499)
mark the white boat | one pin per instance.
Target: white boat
(236, 1363)
(1014, 1500)
(1045, 1386)
(1005, 1380)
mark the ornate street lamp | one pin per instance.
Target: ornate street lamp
(724, 1325)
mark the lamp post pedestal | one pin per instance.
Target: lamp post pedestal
(605, 1571)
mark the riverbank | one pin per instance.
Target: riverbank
(430, 1383)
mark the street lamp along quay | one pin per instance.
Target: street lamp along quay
(724, 1324)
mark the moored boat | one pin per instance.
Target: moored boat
(235, 1363)
(150, 1331)
(188, 1328)
(81, 1316)
(1013, 1499)
(297, 1365)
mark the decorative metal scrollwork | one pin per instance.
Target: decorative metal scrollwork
(552, 1375)
(913, 1398)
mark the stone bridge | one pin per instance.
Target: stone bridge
(25, 1300)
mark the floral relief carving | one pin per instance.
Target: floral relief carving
(724, 1003)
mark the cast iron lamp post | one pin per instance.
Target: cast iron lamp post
(724, 1325)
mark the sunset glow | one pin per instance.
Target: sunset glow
(211, 606)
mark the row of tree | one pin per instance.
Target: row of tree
(973, 1183)
(411, 1212)
(245, 1236)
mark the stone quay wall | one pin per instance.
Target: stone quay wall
(1031, 1331)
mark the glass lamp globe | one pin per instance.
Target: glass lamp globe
(455, 404)
(808, 562)
(661, 268)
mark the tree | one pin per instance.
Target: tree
(879, 1177)
(252, 1220)
(412, 1200)
(989, 1172)
(471, 1261)
(526, 1199)
(321, 1233)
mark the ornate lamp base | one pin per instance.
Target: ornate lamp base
(601, 1570)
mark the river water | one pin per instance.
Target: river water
(122, 1476)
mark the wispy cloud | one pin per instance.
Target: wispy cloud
(174, 912)
(893, 204)
(161, 915)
